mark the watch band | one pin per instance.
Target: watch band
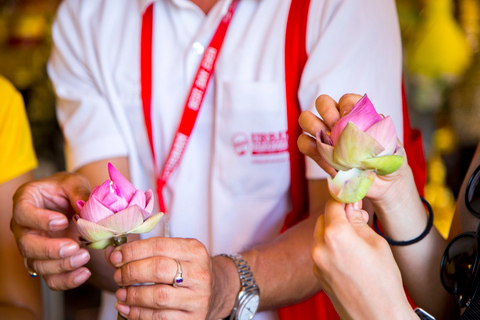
(244, 271)
(423, 315)
(247, 280)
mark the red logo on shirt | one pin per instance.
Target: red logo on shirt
(240, 143)
(262, 142)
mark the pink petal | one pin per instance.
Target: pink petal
(114, 202)
(125, 220)
(80, 204)
(126, 189)
(92, 231)
(94, 210)
(384, 132)
(150, 200)
(102, 190)
(138, 199)
(363, 115)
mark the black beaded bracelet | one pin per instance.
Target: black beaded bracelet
(408, 242)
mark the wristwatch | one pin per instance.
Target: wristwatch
(248, 298)
(423, 315)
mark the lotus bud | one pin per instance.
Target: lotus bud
(114, 209)
(360, 146)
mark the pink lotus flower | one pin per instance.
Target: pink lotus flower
(114, 209)
(361, 145)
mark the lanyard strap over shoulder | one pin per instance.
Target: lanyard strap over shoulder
(194, 99)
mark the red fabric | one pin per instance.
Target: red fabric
(319, 306)
(146, 72)
(414, 148)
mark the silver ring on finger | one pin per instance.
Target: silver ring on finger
(30, 271)
(179, 275)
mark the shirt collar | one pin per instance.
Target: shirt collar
(145, 3)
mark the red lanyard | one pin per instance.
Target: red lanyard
(194, 99)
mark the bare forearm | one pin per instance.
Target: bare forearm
(405, 218)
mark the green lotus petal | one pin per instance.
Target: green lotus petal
(93, 232)
(102, 244)
(148, 224)
(384, 165)
(326, 151)
(124, 221)
(352, 185)
(354, 146)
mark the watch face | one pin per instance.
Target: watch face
(248, 308)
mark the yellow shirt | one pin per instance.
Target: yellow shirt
(17, 155)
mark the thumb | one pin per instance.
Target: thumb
(358, 219)
(355, 214)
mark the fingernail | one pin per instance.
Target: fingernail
(116, 257)
(81, 277)
(356, 206)
(121, 294)
(79, 259)
(68, 249)
(58, 224)
(123, 309)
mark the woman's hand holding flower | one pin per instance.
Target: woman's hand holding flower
(356, 146)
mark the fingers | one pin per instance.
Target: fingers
(160, 297)
(311, 124)
(156, 269)
(36, 203)
(175, 248)
(28, 215)
(35, 246)
(135, 313)
(358, 219)
(346, 103)
(67, 280)
(308, 146)
(328, 110)
(50, 267)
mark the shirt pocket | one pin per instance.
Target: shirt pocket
(251, 139)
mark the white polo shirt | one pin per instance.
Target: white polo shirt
(231, 190)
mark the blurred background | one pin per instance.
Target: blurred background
(441, 76)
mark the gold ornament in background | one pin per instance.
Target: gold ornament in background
(437, 193)
(469, 17)
(439, 47)
(437, 54)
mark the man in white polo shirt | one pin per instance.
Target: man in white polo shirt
(230, 189)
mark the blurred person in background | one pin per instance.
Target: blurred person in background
(20, 295)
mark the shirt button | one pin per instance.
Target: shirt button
(198, 48)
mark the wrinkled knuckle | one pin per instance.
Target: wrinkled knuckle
(24, 248)
(132, 295)
(160, 297)
(331, 234)
(159, 316)
(51, 283)
(158, 269)
(51, 252)
(127, 273)
(197, 247)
